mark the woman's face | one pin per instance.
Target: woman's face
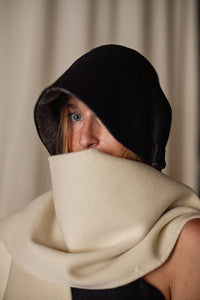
(86, 131)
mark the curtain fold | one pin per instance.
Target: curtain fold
(41, 38)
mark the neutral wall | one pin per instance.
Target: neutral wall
(40, 39)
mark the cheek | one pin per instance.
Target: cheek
(74, 134)
(73, 141)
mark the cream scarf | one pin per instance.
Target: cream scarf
(114, 221)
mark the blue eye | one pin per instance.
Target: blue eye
(75, 117)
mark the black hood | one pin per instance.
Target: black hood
(122, 88)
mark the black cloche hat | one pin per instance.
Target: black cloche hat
(122, 88)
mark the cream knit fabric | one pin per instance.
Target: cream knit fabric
(109, 221)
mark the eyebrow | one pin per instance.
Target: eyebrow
(71, 105)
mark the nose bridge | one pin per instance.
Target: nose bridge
(89, 121)
(89, 131)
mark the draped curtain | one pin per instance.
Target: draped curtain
(41, 38)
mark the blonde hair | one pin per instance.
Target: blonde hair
(61, 138)
(132, 156)
(62, 143)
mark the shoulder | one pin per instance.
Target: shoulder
(190, 234)
(189, 240)
(185, 263)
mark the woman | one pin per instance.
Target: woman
(114, 226)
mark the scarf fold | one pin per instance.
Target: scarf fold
(108, 222)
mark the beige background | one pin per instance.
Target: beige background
(41, 38)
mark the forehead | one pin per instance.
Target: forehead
(74, 102)
(73, 99)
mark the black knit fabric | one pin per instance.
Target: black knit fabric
(123, 89)
(137, 290)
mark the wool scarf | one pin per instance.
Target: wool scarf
(107, 222)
